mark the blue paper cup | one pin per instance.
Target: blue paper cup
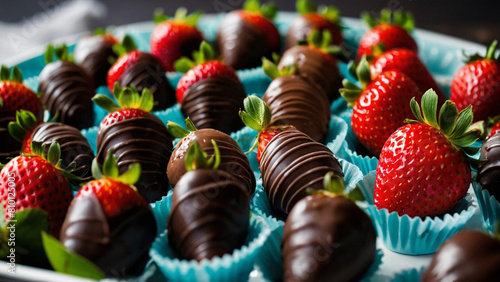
(490, 207)
(409, 275)
(161, 210)
(337, 131)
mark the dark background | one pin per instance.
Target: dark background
(478, 21)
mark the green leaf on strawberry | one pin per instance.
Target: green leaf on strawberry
(491, 54)
(60, 52)
(398, 18)
(25, 121)
(181, 16)
(110, 170)
(267, 10)
(178, 131)
(126, 46)
(205, 54)
(127, 98)
(196, 158)
(334, 186)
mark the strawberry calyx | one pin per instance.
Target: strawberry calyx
(60, 52)
(351, 92)
(25, 123)
(127, 98)
(178, 131)
(126, 46)
(491, 54)
(8, 75)
(181, 16)
(110, 170)
(267, 10)
(205, 54)
(334, 186)
(271, 68)
(330, 13)
(322, 41)
(197, 158)
(387, 16)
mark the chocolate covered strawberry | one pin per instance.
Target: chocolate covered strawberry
(392, 30)
(66, 89)
(488, 174)
(14, 96)
(423, 168)
(309, 19)
(210, 211)
(380, 106)
(478, 84)
(327, 237)
(232, 158)
(245, 36)
(210, 92)
(136, 136)
(141, 70)
(109, 223)
(175, 37)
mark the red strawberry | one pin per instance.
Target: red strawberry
(392, 30)
(309, 19)
(22, 129)
(423, 170)
(380, 107)
(478, 84)
(128, 55)
(36, 181)
(494, 123)
(175, 37)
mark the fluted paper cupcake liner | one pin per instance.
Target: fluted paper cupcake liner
(374, 267)
(245, 139)
(364, 163)
(230, 267)
(409, 275)
(337, 131)
(414, 235)
(489, 205)
(161, 209)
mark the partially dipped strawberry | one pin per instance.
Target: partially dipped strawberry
(109, 223)
(393, 30)
(175, 37)
(311, 18)
(380, 106)
(210, 211)
(210, 92)
(245, 36)
(423, 168)
(36, 181)
(141, 70)
(329, 229)
(478, 84)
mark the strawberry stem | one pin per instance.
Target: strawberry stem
(267, 10)
(196, 158)
(334, 186)
(398, 18)
(126, 46)
(110, 170)
(205, 54)
(127, 98)
(181, 16)
(178, 131)
(305, 7)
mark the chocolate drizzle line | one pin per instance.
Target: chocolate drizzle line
(291, 163)
(74, 146)
(149, 73)
(214, 103)
(209, 216)
(143, 140)
(233, 160)
(293, 100)
(92, 53)
(66, 88)
(489, 173)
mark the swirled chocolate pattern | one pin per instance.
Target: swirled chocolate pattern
(214, 103)
(241, 44)
(10, 147)
(209, 215)
(302, 26)
(233, 160)
(316, 67)
(143, 140)
(327, 239)
(74, 146)
(92, 53)
(489, 173)
(291, 163)
(118, 245)
(148, 72)
(67, 89)
(293, 100)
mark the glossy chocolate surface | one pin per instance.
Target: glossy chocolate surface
(327, 239)
(489, 173)
(118, 245)
(241, 44)
(294, 100)
(233, 160)
(291, 163)
(470, 255)
(74, 146)
(210, 215)
(67, 89)
(92, 53)
(148, 72)
(214, 103)
(143, 140)
(301, 27)
(315, 68)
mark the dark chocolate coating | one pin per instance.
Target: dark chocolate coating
(233, 160)
(10, 147)
(290, 164)
(327, 239)
(241, 44)
(315, 67)
(470, 255)
(210, 215)
(301, 27)
(143, 140)
(92, 53)
(293, 100)
(66, 88)
(214, 103)
(148, 72)
(489, 173)
(119, 246)
(74, 146)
